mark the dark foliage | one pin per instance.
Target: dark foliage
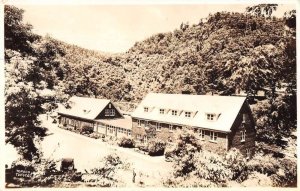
(126, 142)
(156, 148)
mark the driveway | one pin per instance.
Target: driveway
(87, 152)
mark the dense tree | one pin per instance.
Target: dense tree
(290, 18)
(22, 106)
(31, 67)
(17, 35)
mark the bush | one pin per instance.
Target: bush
(236, 162)
(156, 148)
(143, 148)
(95, 135)
(86, 130)
(264, 164)
(126, 142)
(211, 167)
(108, 166)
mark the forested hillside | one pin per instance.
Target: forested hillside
(228, 51)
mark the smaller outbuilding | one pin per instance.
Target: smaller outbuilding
(101, 115)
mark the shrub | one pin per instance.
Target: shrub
(108, 166)
(156, 148)
(95, 135)
(86, 130)
(126, 142)
(143, 148)
(236, 162)
(211, 167)
(187, 145)
(264, 164)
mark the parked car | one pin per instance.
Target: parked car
(67, 165)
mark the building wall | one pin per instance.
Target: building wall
(101, 128)
(219, 146)
(166, 135)
(249, 126)
(112, 131)
(77, 123)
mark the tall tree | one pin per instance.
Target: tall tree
(262, 9)
(17, 35)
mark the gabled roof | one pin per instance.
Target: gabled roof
(225, 107)
(84, 107)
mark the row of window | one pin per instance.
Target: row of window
(213, 136)
(112, 129)
(187, 114)
(173, 112)
(158, 125)
(76, 123)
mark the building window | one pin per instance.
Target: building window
(243, 135)
(187, 114)
(158, 127)
(145, 140)
(248, 153)
(139, 123)
(210, 116)
(171, 128)
(202, 134)
(161, 111)
(138, 136)
(213, 136)
(146, 109)
(110, 112)
(128, 133)
(174, 112)
(109, 106)
(244, 117)
(146, 124)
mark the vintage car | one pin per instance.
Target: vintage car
(67, 165)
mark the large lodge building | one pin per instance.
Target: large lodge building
(223, 122)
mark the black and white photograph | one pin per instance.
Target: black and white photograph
(146, 94)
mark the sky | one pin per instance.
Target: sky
(115, 28)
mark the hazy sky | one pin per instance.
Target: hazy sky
(115, 28)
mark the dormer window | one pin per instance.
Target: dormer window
(174, 112)
(146, 109)
(161, 111)
(210, 116)
(187, 114)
